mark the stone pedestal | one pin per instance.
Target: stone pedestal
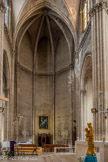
(80, 148)
(101, 150)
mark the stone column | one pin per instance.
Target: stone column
(2, 9)
(99, 21)
(83, 113)
(12, 97)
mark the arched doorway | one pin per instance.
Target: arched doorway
(86, 94)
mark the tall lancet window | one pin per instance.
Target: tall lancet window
(88, 8)
(7, 13)
(85, 8)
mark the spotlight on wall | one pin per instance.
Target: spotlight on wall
(106, 116)
(106, 110)
(1, 109)
(94, 110)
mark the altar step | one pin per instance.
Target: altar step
(46, 158)
(61, 158)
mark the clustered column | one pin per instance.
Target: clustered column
(83, 114)
(2, 9)
(99, 21)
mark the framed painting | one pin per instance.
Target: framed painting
(44, 122)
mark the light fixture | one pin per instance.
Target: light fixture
(106, 116)
(106, 110)
(94, 110)
(1, 109)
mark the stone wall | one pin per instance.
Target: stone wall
(44, 102)
(24, 92)
(24, 106)
(25, 56)
(62, 55)
(63, 108)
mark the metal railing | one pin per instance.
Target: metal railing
(64, 150)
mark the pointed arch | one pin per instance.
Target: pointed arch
(86, 92)
(23, 17)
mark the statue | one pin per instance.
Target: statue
(90, 140)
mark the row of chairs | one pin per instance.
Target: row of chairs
(22, 149)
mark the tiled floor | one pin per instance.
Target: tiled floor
(41, 158)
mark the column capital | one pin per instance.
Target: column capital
(98, 7)
(82, 91)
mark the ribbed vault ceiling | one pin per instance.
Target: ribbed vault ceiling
(44, 26)
(47, 25)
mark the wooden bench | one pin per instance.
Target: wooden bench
(50, 147)
(25, 149)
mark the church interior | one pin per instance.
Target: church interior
(53, 78)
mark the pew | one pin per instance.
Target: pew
(26, 148)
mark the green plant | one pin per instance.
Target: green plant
(81, 159)
(9, 153)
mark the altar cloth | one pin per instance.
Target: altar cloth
(90, 158)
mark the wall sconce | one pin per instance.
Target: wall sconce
(106, 116)
(94, 110)
(1, 109)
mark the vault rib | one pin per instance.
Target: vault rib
(60, 27)
(53, 60)
(25, 30)
(37, 39)
(34, 79)
(51, 39)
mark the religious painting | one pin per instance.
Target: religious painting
(44, 122)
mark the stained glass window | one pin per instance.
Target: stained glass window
(6, 14)
(85, 14)
(88, 8)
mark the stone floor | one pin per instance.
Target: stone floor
(42, 158)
